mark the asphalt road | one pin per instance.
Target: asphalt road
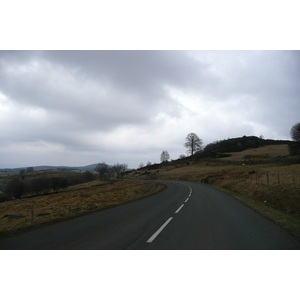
(184, 216)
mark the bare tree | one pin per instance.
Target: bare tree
(55, 183)
(164, 156)
(193, 143)
(111, 174)
(294, 148)
(295, 133)
(40, 185)
(88, 176)
(29, 170)
(15, 188)
(119, 169)
(123, 169)
(102, 169)
(22, 172)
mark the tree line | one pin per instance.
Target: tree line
(17, 187)
(111, 173)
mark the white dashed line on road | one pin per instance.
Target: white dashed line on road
(177, 211)
(153, 237)
(159, 230)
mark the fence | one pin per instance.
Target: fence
(291, 180)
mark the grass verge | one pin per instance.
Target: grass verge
(289, 223)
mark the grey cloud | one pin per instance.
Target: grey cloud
(113, 83)
(69, 97)
(133, 70)
(265, 85)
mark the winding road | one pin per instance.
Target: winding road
(185, 216)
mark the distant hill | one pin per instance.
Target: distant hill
(84, 168)
(40, 168)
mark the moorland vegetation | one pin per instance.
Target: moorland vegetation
(263, 173)
(74, 193)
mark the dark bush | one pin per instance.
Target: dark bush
(3, 197)
(294, 148)
(234, 145)
(88, 176)
(40, 185)
(56, 183)
(15, 188)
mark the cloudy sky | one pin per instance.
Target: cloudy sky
(81, 107)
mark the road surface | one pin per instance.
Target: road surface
(184, 216)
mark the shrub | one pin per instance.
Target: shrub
(15, 188)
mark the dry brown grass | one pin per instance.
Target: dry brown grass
(281, 194)
(54, 207)
(278, 186)
(265, 152)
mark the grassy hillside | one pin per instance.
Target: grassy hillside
(72, 201)
(266, 152)
(265, 178)
(278, 182)
(77, 193)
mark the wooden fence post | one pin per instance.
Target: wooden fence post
(32, 216)
(268, 179)
(294, 181)
(256, 188)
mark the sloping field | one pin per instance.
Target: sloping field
(275, 186)
(80, 199)
(265, 152)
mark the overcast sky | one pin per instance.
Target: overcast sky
(76, 108)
